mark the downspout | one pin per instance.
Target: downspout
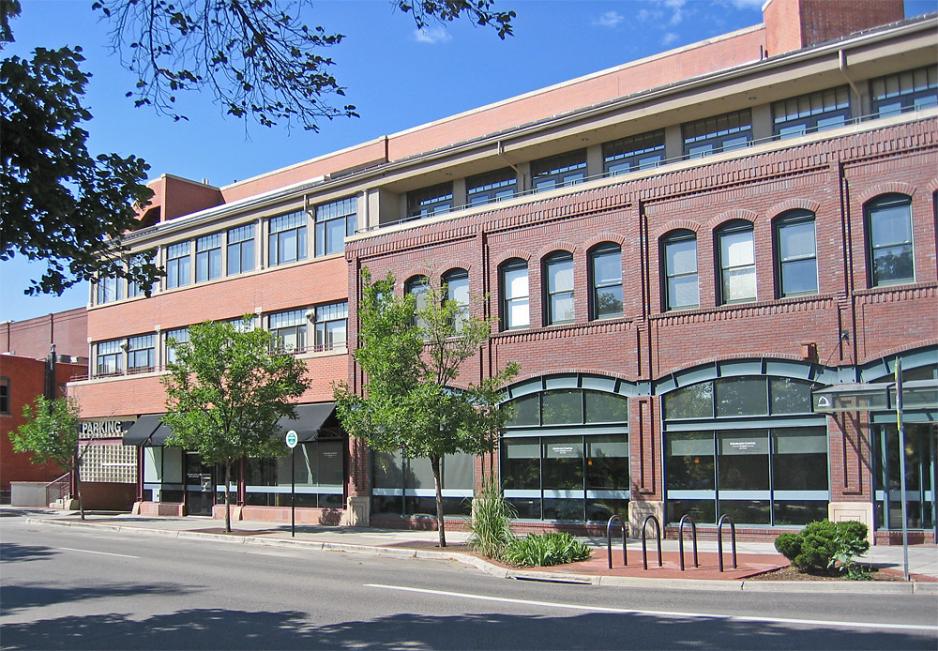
(842, 64)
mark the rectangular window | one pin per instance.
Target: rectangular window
(680, 268)
(515, 313)
(911, 90)
(242, 324)
(797, 255)
(208, 258)
(316, 469)
(141, 354)
(4, 395)
(825, 109)
(606, 275)
(737, 265)
(430, 201)
(174, 338)
(720, 133)
(889, 228)
(109, 357)
(334, 222)
(287, 241)
(288, 330)
(136, 262)
(405, 486)
(741, 396)
(241, 249)
(690, 461)
(109, 289)
(178, 264)
(331, 326)
(558, 171)
(638, 152)
(559, 272)
(493, 186)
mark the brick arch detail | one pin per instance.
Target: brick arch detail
(602, 238)
(612, 375)
(675, 225)
(731, 215)
(450, 266)
(794, 203)
(418, 271)
(560, 245)
(508, 255)
(932, 186)
(887, 187)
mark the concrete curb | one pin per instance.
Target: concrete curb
(815, 587)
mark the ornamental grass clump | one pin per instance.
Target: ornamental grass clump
(545, 549)
(491, 522)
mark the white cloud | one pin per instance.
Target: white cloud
(676, 7)
(610, 19)
(432, 35)
(669, 38)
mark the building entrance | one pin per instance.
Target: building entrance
(200, 485)
(921, 464)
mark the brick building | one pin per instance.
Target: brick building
(681, 252)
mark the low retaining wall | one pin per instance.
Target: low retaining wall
(107, 496)
(28, 493)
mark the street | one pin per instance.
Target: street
(77, 589)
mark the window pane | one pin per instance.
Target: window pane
(739, 284)
(606, 408)
(607, 462)
(458, 471)
(607, 268)
(744, 460)
(741, 397)
(800, 459)
(797, 240)
(521, 465)
(893, 264)
(681, 256)
(526, 411)
(746, 511)
(736, 249)
(700, 510)
(799, 277)
(799, 512)
(388, 469)
(608, 301)
(335, 236)
(690, 461)
(418, 474)
(562, 407)
(561, 308)
(563, 463)
(518, 315)
(683, 292)
(891, 224)
(790, 396)
(516, 283)
(560, 275)
(695, 401)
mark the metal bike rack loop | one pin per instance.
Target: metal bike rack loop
(680, 538)
(625, 551)
(726, 518)
(657, 536)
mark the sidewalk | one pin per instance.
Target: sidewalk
(753, 557)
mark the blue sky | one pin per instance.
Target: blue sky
(396, 76)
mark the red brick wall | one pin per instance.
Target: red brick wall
(32, 337)
(793, 24)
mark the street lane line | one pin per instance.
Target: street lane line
(660, 613)
(88, 551)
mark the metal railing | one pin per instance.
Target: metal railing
(59, 489)
(657, 536)
(680, 538)
(726, 518)
(625, 549)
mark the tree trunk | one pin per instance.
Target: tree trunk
(77, 471)
(227, 496)
(438, 484)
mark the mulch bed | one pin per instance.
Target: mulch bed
(792, 574)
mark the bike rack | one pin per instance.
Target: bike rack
(657, 536)
(680, 539)
(726, 518)
(625, 551)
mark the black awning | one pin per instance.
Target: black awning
(309, 420)
(160, 435)
(140, 431)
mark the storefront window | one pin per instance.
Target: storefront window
(319, 476)
(162, 474)
(921, 452)
(405, 486)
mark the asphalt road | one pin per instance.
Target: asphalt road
(62, 588)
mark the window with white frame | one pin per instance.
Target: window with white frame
(178, 264)
(457, 290)
(241, 249)
(797, 253)
(287, 240)
(606, 281)
(331, 326)
(109, 357)
(515, 312)
(141, 353)
(558, 299)
(334, 222)
(208, 258)
(681, 290)
(737, 263)
(174, 338)
(889, 236)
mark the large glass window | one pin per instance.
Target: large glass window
(141, 353)
(905, 91)
(162, 474)
(720, 133)
(241, 249)
(494, 186)
(825, 109)
(109, 357)
(331, 326)
(173, 339)
(680, 269)
(109, 289)
(737, 263)
(178, 264)
(747, 395)
(208, 258)
(514, 287)
(797, 254)
(457, 290)
(606, 281)
(289, 330)
(921, 458)
(287, 241)
(889, 233)
(430, 201)
(405, 486)
(558, 270)
(558, 171)
(334, 222)
(637, 152)
(319, 474)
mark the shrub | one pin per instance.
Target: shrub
(545, 549)
(824, 545)
(788, 545)
(491, 521)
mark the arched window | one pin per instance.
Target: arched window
(558, 288)
(457, 290)
(418, 287)
(889, 234)
(796, 253)
(749, 446)
(679, 252)
(606, 281)
(737, 263)
(514, 290)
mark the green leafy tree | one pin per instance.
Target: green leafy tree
(226, 390)
(50, 434)
(411, 357)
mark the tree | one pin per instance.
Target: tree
(411, 357)
(59, 202)
(226, 390)
(50, 434)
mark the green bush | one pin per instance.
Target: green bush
(545, 549)
(491, 521)
(824, 545)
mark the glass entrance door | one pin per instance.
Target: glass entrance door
(200, 485)
(921, 463)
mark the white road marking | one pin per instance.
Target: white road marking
(660, 613)
(88, 551)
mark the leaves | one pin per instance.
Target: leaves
(49, 433)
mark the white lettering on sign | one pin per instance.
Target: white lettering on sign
(94, 429)
(742, 445)
(563, 450)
